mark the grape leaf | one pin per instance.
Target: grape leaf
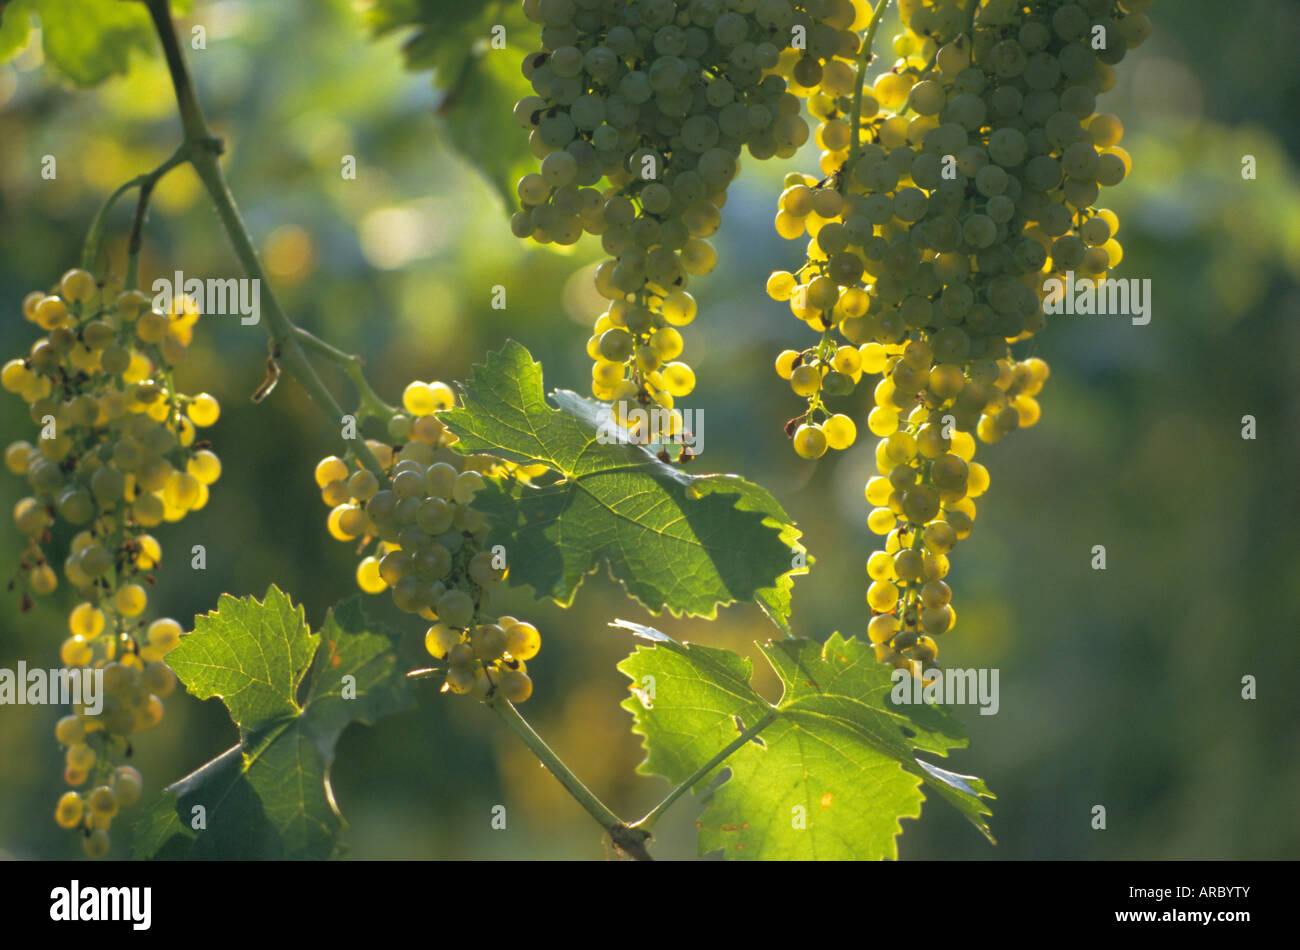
(475, 119)
(85, 41)
(15, 28)
(685, 542)
(479, 82)
(828, 778)
(269, 797)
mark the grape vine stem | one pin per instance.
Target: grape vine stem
(146, 182)
(353, 367)
(628, 839)
(855, 115)
(202, 150)
(648, 821)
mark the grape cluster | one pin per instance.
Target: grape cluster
(973, 182)
(116, 454)
(419, 538)
(656, 99)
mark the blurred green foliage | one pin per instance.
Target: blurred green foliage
(1119, 688)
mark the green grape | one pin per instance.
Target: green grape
(488, 641)
(515, 686)
(522, 640)
(455, 609)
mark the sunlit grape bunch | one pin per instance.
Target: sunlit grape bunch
(932, 241)
(640, 115)
(419, 538)
(115, 453)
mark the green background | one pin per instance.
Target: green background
(1120, 688)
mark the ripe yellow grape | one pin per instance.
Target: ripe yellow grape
(882, 628)
(785, 363)
(182, 490)
(880, 566)
(805, 380)
(368, 578)
(330, 469)
(204, 410)
(51, 312)
(881, 521)
(882, 422)
(810, 441)
(523, 642)
(86, 621)
(204, 466)
(102, 801)
(130, 600)
(780, 285)
(679, 379)
(440, 638)
(150, 552)
(69, 810)
(847, 360)
(679, 308)
(164, 634)
(840, 431)
(882, 595)
(418, 399)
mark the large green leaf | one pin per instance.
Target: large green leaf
(85, 41)
(287, 689)
(685, 542)
(828, 778)
(479, 83)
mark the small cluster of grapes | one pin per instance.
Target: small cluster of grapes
(657, 98)
(923, 506)
(932, 240)
(132, 703)
(419, 538)
(116, 454)
(93, 811)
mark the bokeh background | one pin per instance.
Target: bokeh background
(1120, 688)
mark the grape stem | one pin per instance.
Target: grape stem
(628, 839)
(654, 814)
(855, 115)
(202, 149)
(353, 366)
(146, 182)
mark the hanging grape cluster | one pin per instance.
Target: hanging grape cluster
(419, 538)
(656, 99)
(116, 454)
(974, 182)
